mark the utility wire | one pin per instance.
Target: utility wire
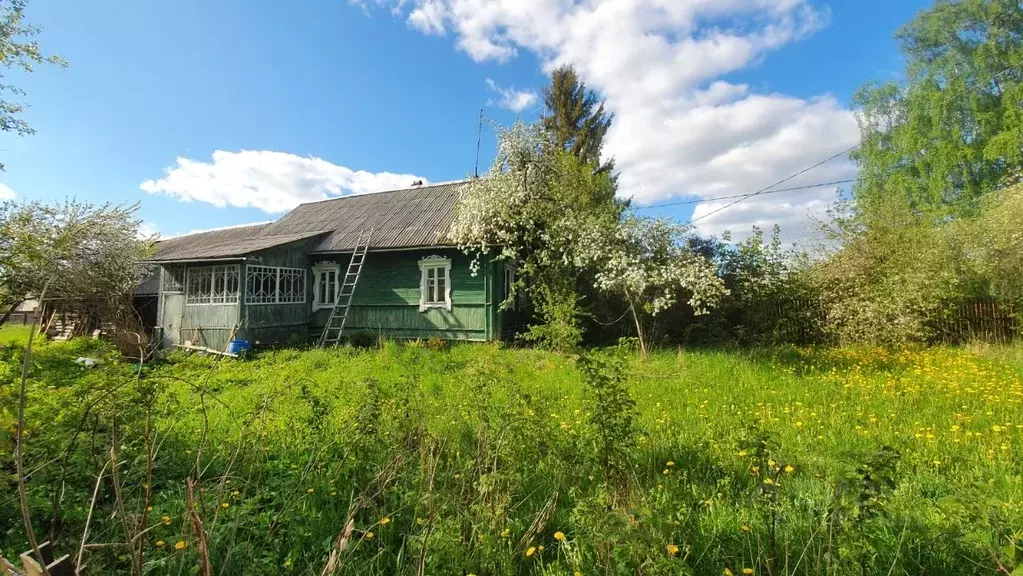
(716, 198)
(782, 181)
(842, 153)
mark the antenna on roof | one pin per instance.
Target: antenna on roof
(417, 183)
(479, 135)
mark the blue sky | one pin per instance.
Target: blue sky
(334, 98)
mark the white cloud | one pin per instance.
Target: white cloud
(6, 193)
(680, 129)
(511, 99)
(148, 230)
(270, 181)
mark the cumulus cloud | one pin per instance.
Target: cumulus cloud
(271, 181)
(511, 98)
(6, 193)
(681, 129)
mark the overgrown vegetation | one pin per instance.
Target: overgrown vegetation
(484, 460)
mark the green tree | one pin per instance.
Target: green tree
(954, 130)
(576, 118)
(70, 251)
(18, 50)
(547, 210)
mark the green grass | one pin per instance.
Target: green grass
(785, 461)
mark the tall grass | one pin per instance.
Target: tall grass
(486, 460)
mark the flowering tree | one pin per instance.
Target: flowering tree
(550, 212)
(70, 251)
(648, 262)
(533, 207)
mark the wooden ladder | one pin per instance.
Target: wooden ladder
(335, 326)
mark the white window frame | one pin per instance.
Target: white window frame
(434, 263)
(213, 298)
(320, 271)
(507, 283)
(277, 272)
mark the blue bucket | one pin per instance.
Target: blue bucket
(238, 347)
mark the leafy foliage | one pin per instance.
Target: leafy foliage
(953, 133)
(544, 208)
(489, 460)
(75, 251)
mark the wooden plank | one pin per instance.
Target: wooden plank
(205, 350)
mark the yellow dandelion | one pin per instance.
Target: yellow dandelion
(539, 548)
(748, 571)
(166, 519)
(309, 491)
(670, 464)
(577, 573)
(160, 543)
(368, 535)
(225, 505)
(559, 536)
(672, 550)
(180, 545)
(530, 551)
(727, 572)
(745, 528)
(768, 481)
(665, 471)
(287, 563)
(385, 521)
(505, 532)
(789, 469)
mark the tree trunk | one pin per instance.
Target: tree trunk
(639, 327)
(7, 315)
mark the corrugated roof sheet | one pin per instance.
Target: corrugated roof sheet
(408, 218)
(226, 243)
(419, 216)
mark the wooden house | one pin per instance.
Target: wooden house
(277, 282)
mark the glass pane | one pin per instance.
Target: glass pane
(440, 289)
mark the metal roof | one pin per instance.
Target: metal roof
(226, 243)
(408, 218)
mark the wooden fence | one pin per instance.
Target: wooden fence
(984, 320)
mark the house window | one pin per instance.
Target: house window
(325, 284)
(273, 285)
(212, 285)
(509, 283)
(173, 279)
(435, 283)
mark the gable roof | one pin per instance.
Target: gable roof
(408, 218)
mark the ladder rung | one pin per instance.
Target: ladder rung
(338, 318)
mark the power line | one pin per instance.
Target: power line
(842, 153)
(714, 199)
(782, 181)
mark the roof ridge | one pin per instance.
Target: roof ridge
(434, 185)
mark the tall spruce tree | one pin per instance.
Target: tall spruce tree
(576, 118)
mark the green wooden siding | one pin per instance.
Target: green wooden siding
(386, 299)
(386, 302)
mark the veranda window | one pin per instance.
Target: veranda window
(274, 285)
(212, 285)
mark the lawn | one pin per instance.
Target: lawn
(480, 459)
